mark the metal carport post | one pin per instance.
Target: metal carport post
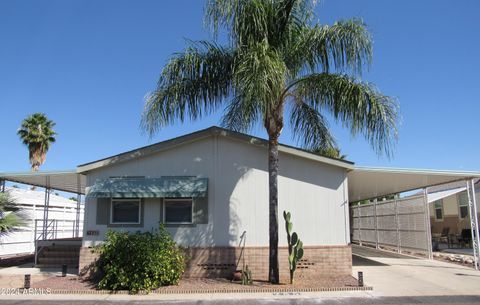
(77, 216)
(472, 204)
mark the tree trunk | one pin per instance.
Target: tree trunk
(35, 168)
(273, 273)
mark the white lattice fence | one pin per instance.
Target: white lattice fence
(399, 224)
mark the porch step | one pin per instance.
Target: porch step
(57, 255)
(54, 261)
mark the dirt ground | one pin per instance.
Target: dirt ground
(75, 283)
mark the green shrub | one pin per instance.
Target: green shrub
(139, 261)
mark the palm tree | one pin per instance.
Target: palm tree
(37, 133)
(278, 62)
(11, 217)
(330, 152)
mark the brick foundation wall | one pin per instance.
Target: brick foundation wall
(87, 261)
(221, 261)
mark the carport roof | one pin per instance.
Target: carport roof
(363, 182)
(371, 182)
(67, 180)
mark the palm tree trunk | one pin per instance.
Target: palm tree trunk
(35, 168)
(273, 273)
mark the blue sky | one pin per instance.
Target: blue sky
(89, 64)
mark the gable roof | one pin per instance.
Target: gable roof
(195, 136)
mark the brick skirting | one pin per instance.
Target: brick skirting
(221, 261)
(87, 260)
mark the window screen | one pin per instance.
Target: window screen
(126, 211)
(439, 209)
(178, 211)
(463, 204)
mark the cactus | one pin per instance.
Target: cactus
(247, 276)
(295, 245)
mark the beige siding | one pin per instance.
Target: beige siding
(314, 192)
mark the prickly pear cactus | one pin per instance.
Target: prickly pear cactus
(295, 245)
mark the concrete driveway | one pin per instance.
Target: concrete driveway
(391, 274)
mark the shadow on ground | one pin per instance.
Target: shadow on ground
(362, 261)
(370, 252)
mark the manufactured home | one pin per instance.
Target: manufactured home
(210, 188)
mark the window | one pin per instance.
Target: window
(178, 211)
(463, 205)
(125, 211)
(438, 205)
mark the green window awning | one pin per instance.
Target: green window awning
(172, 187)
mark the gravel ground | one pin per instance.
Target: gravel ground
(196, 284)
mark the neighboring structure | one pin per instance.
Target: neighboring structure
(62, 212)
(209, 187)
(449, 207)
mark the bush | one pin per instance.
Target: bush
(139, 261)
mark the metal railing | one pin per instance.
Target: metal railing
(54, 228)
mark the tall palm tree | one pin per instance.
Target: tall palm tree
(278, 62)
(330, 152)
(11, 218)
(37, 133)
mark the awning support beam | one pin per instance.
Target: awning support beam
(46, 207)
(77, 215)
(376, 222)
(428, 229)
(472, 204)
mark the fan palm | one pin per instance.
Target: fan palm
(36, 132)
(278, 63)
(11, 218)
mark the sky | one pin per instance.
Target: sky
(89, 64)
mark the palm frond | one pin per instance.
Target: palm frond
(357, 105)
(11, 216)
(309, 127)
(241, 114)
(36, 132)
(260, 75)
(193, 83)
(344, 46)
(246, 21)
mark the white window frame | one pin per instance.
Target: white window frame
(168, 200)
(441, 208)
(460, 206)
(126, 199)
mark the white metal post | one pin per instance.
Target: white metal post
(428, 231)
(397, 223)
(77, 215)
(472, 203)
(376, 222)
(35, 242)
(77, 218)
(359, 224)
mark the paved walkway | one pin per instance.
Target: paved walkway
(396, 275)
(13, 277)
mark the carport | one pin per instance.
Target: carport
(66, 181)
(399, 223)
